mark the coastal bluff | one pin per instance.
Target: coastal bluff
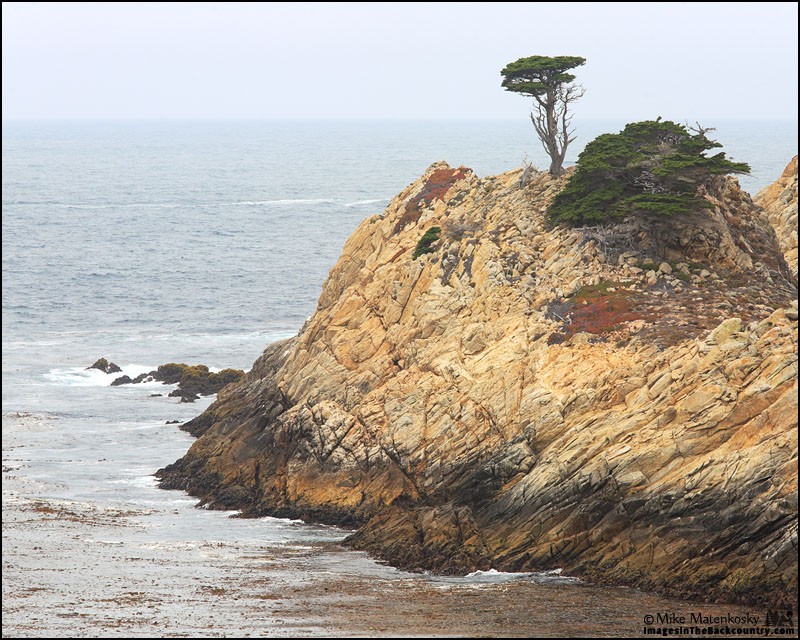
(619, 402)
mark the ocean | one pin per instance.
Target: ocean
(148, 242)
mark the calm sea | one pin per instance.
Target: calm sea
(202, 242)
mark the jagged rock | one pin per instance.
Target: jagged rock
(780, 202)
(184, 395)
(121, 380)
(105, 366)
(464, 414)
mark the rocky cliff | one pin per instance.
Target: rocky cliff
(779, 200)
(620, 401)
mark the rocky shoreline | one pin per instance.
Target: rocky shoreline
(620, 402)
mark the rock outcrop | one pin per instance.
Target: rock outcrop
(193, 380)
(620, 402)
(779, 200)
(105, 366)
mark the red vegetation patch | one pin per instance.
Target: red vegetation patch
(597, 311)
(602, 315)
(437, 185)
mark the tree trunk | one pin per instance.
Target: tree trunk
(556, 164)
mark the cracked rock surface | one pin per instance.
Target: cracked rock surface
(620, 402)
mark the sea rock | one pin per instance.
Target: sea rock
(193, 380)
(779, 200)
(105, 366)
(465, 414)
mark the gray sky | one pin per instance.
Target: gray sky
(389, 60)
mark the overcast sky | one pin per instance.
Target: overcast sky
(393, 60)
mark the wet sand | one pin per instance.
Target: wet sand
(83, 568)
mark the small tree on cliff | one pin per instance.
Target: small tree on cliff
(652, 168)
(546, 80)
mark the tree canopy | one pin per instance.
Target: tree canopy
(651, 168)
(536, 75)
(547, 81)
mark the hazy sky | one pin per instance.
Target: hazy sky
(333, 60)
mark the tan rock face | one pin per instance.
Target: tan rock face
(619, 402)
(779, 200)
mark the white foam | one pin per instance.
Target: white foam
(490, 572)
(373, 201)
(134, 370)
(282, 522)
(82, 377)
(493, 576)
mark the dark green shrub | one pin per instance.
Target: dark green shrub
(650, 168)
(426, 241)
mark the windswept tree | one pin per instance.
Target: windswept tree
(547, 81)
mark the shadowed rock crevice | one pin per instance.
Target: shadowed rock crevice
(779, 201)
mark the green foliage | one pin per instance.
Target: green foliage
(538, 75)
(649, 168)
(426, 241)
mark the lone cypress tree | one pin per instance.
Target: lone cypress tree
(546, 80)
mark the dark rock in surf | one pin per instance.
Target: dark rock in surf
(193, 380)
(105, 366)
